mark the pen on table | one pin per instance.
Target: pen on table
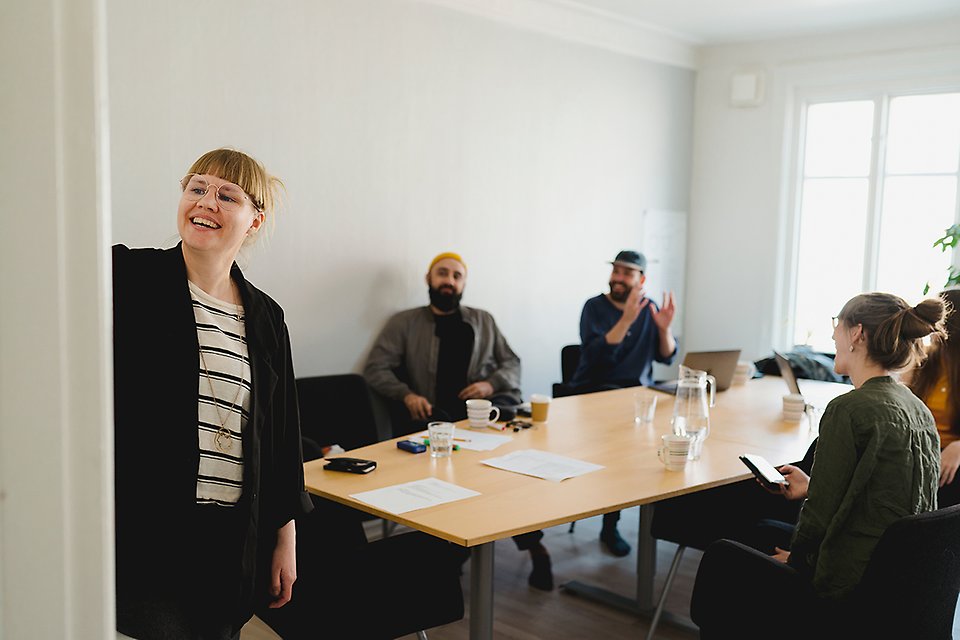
(426, 440)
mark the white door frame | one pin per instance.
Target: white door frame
(56, 363)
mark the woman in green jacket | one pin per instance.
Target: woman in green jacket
(877, 460)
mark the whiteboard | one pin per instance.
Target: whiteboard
(663, 240)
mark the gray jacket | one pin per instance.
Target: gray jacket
(409, 341)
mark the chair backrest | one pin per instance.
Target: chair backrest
(569, 359)
(336, 410)
(911, 584)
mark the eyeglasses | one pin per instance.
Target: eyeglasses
(229, 196)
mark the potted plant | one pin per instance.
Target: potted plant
(951, 236)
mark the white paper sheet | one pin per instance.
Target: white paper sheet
(470, 439)
(411, 496)
(540, 464)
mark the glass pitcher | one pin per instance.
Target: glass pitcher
(691, 409)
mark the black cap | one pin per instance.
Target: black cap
(631, 260)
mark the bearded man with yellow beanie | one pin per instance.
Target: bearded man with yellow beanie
(433, 359)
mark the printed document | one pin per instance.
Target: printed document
(411, 496)
(540, 464)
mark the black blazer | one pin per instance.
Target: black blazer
(156, 355)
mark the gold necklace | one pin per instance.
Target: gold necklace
(222, 431)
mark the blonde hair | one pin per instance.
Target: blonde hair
(893, 329)
(247, 173)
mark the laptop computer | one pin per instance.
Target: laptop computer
(786, 372)
(719, 364)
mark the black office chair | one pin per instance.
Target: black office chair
(735, 511)
(909, 588)
(337, 567)
(569, 360)
(348, 588)
(335, 409)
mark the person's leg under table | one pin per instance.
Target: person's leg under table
(541, 576)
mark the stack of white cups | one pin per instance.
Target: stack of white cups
(744, 371)
(793, 407)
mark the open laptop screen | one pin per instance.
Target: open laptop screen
(786, 372)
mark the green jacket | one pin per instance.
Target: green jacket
(877, 460)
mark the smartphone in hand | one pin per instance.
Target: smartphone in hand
(765, 472)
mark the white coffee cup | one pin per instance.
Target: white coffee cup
(539, 407)
(479, 413)
(674, 450)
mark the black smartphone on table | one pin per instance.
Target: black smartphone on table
(350, 465)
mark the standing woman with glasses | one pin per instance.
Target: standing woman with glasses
(209, 476)
(877, 460)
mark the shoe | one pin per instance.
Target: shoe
(614, 542)
(542, 575)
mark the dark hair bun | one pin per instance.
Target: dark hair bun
(931, 311)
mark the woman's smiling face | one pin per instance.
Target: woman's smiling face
(215, 215)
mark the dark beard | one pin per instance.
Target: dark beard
(619, 296)
(444, 301)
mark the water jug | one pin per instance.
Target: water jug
(691, 408)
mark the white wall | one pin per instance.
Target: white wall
(401, 129)
(741, 217)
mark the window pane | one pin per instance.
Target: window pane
(924, 134)
(916, 210)
(839, 139)
(830, 264)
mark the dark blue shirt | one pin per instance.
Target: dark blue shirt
(625, 363)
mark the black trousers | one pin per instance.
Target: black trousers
(207, 603)
(742, 593)
(949, 494)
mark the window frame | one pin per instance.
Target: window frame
(800, 99)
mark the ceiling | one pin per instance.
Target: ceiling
(727, 21)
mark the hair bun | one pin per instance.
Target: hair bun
(930, 311)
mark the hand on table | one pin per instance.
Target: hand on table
(482, 389)
(418, 406)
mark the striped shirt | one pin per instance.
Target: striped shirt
(224, 397)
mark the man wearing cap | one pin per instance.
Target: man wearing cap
(622, 333)
(434, 358)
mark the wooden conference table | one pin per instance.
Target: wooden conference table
(598, 428)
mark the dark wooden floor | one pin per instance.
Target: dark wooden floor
(522, 613)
